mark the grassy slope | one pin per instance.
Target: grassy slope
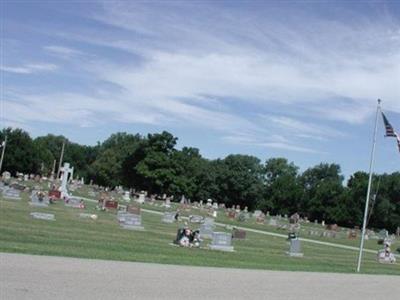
(103, 239)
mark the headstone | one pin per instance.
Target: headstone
(257, 213)
(232, 215)
(126, 196)
(133, 209)
(207, 228)
(142, 198)
(239, 234)
(11, 194)
(130, 221)
(167, 202)
(295, 248)
(272, 222)
(54, 194)
(169, 217)
(42, 216)
(6, 175)
(215, 205)
(111, 204)
(74, 202)
(196, 219)
(221, 241)
(39, 199)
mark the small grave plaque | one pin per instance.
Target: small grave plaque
(239, 234)
(42, 216)
(221, 241)
(169, 217)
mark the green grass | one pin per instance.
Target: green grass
(72, 236)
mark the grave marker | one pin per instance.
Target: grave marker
(39, 199)
(11, 194)
(295, 248)
(42, 216)
(221, 241)
(169, 217)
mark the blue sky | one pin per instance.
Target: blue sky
(271, 79)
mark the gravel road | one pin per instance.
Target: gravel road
(44, 277)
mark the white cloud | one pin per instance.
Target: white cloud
(62, 51)
(316, 70)
(30, 68)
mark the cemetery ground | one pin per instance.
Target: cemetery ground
(71, 236)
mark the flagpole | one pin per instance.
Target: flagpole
(2, 153)
(371, 167)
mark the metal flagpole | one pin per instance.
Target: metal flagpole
(2, 153)
(371, 167)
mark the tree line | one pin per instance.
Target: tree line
(153, 163)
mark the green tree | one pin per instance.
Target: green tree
(322, 189)
(20, 154)
(282, 189)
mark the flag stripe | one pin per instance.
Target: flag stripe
(389, 129)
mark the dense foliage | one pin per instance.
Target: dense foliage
(153, 163)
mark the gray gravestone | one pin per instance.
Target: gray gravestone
(130, 221)
(74, 202)
(207, 228)
(196, 219)
(39, 199)
(257, 213)
(273, 222)
(295, 248)
(169, 217)
(11, 194)
(42, 216)
(221, 241)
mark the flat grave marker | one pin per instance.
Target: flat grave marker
(11, 194)
(42, 216)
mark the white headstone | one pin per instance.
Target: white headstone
(126, 196)
(141, 198)
(6, 175)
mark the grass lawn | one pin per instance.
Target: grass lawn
(72, 236)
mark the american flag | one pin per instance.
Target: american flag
(388, 127)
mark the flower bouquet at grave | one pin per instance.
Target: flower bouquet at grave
(186, 237)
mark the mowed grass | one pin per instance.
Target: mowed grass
(72, 236)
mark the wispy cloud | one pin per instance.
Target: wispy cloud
(62, 51)
(30, 68)
(263, 75)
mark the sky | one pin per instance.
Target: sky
(293, 79)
